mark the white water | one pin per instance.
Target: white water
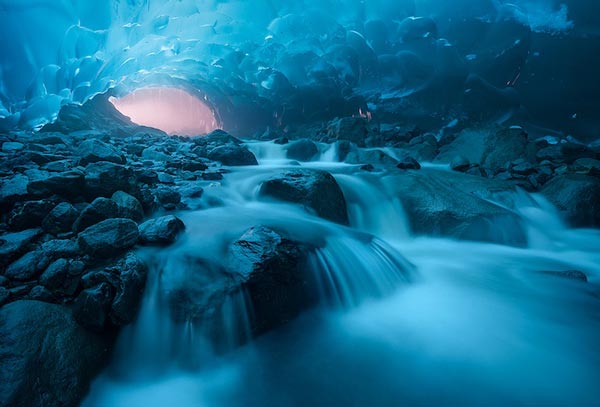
(471, 324)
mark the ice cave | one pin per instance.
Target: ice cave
(370, 203)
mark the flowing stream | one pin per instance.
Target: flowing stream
(402, 320)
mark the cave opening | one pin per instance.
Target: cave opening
(170, 109)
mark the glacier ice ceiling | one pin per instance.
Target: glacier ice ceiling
(269, 62)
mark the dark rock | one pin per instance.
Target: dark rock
(451, 204)
(57, 248)
(460, 164)
(92, 306)
(60, 219)
(353, 129)
(94, 150)
(104, 179)
(13, 189)
(41, 293)
(109, 238)
(129, 207)
(212, 176)
(317, 190)
(12, 245)
(62, 276)
(409, 163)
(28, 266)
(168, 198)
(281, 141)
(232, 155)
(46, 359)
(132, 281)
(68, 184)
(100, 209)
(192, 190)
(588, 166)
(4, 296)
(524, 168)
(367, 168)
(577, 197)
(29, 214)
(148, 177)
(96, 277)
(162, 231)
(302, 150)
(551, 153)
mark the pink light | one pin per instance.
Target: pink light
(171, 110)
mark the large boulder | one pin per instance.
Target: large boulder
(302, 150)
(13, 189)
(577, 197)
(450, 204)
(316, 190)
(44, 184)
(28, 267)
(60, 219)
(94, 150)
(263, 266)
(491, 148)
(132, 274)
(109, 238)
(105, 178)
(232, 155)
(353, 129)
(161, 231)
(12, 245)
(129, 206)
(62, 276)
(46, 358)
(29, 214)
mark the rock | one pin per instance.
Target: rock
(4, 296)
(94, 150)
(100, 209)
(13, 189)
(29, 214)
(269, 268)
(588, 166)
(408, 163)
(302, 150)
(68, 184)
(105, 178)
(28, 267)
(451, 204)
(132, 281)
(129, 207)
(372, 156)
(147, 177)
(109, 238)
(62, 276)
(12, 245)
(12, 146)
(40, 293)
(524, 168)
(46, 359)
(577, 197)
(568, 274)
(353, 129)
(168, 198)
(489, 148)
(316, 190)
(460, 164)
(161, 231)
(154, 153)
(92, 306)
(550, 153)
(232, 155)
(60, 219)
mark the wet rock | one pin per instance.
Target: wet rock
(60, 219)
(40, 293)
(68, 184)
(132, 274)
(232, 155)
(62, 276)
(4, 296)
(302, 150)
(109, 238)
(92, 306)
(353, 129)
(38, 337)
(12, 245)
(13, 189)
(577, 197)
(12, 146)
(105, 178)
(315, 190)
(460, 164)
(100, 209)
(28, 266)
(452, 204)
(408, 163)
(161, 231)
(524, 168)
(29, 214)
(129, 207)
(94, 150)
(147, 177)
(168, 198)
(588, 166)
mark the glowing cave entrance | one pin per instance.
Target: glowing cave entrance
(171, 110)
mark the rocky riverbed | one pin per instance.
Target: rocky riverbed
(79, 206)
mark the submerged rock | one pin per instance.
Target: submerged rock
(132, 274)
(46, 359)
(316, 190)
(302, 150)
